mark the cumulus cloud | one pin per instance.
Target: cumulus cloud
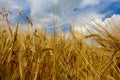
(86, 21)
(89, 22)
(113, 20)
(64, 8)
(89, 2)
(45, 10)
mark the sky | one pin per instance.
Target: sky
(44, 11)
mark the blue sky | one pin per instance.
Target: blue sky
(43, 11)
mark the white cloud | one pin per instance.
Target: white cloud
(113, 21)
(115, 18)
(44, 8)
(90, 21)
(86, 21)
(89, 2)
(41, 8)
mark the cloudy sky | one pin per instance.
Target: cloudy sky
(43, 11)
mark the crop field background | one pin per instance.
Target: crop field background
(31, 54)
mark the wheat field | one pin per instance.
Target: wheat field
(34, 55)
